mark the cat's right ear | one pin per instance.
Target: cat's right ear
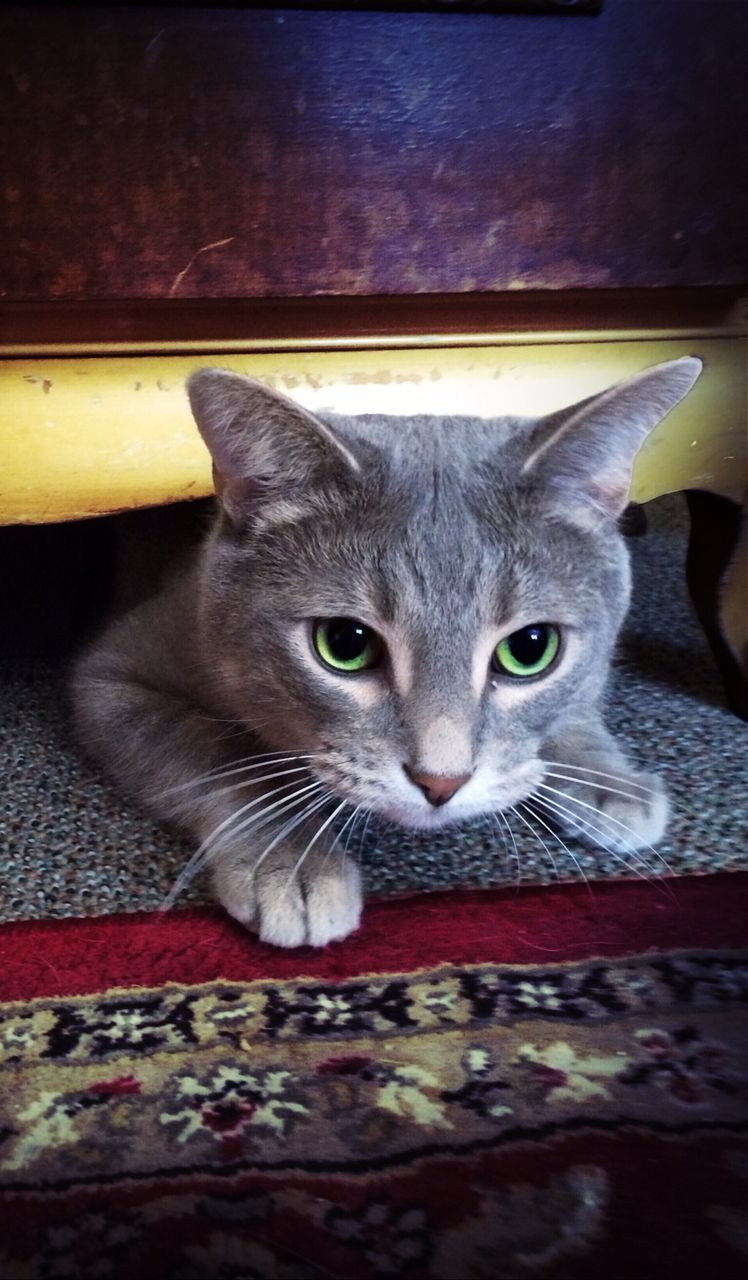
(264, 447)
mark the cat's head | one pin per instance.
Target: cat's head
(418, 603)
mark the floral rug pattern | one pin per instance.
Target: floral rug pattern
(480, 1120)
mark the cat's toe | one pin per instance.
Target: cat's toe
(271, 905)
(313, 907)
(282, 912)
(290, 906)
(635, 824)
(333, 904)
(234, 888)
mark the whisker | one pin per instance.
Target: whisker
(510, 829)
(564, 846)
(517, 859)
(614, 777)
(204, 854)
(313, 841)
(228, 771)
(364, 832)
(348, 825)
(606, 818)
(255, 782)
(207, 849)
(291, 825)
(236, 728)
(586, 828)
(260, 819)
(502, 833)
(356, 815)
(245, 727)
(599, 786)
(336, 837)
(533, 832)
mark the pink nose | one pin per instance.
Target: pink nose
(436, 788)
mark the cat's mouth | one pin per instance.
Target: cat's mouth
(483, 794)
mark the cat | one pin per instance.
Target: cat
(412, 616)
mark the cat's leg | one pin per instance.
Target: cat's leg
(290, 902)
(175, 758)
(592, 790)
(291, 889)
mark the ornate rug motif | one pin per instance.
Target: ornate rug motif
(579, 1118)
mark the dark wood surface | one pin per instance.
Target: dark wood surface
(289, 322)
(190, 153)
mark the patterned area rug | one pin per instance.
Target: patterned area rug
(546, 1083)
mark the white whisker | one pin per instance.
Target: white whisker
(599, 786)
(255, 782)
(348, 825)
(313, 841)
(564, 846)
(585, 827)
(258, 820)
(228, 771)
(613, 777)
(502, 833)
(517, 859)
(606, 817)
(332, 843)
(291, 825)
(533, 832)
(364, 832)
(209, 846)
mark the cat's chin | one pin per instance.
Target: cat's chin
(413, 819)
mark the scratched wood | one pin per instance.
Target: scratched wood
(192, 153)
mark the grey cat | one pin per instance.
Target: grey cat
(410, 616)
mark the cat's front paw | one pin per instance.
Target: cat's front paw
(617, 810)
(314, 904)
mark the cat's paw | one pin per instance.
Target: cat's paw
(317, 903)
(624, 813)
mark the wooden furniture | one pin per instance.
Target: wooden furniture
(512, 209)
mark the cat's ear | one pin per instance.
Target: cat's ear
(585, 454)
(264, 447)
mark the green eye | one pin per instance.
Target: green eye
(346, 645)
(528, 651)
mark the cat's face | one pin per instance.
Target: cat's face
(418, 604)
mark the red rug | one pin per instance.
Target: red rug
(542, 1083)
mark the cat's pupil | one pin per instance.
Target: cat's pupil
(347, 639)
(528, 645)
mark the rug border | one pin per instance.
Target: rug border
(80, 956)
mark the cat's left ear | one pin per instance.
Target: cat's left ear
(586, 453)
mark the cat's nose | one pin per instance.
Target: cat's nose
(436, 788)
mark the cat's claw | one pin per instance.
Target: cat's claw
(319, 904)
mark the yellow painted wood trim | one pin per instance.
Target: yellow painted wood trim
(85, 436)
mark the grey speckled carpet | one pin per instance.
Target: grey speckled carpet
(70, 846)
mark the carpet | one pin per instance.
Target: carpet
(541, 1082)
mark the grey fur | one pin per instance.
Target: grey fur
(444, 535)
